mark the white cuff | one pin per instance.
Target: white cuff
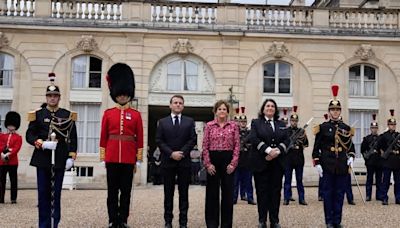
(260, 145)
(283, 146)
(268, 150)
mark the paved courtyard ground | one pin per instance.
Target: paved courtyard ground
(87, 208)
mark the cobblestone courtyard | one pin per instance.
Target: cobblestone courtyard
(87, 208)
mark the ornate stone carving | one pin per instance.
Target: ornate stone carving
(3, 40)
(87, 43)
(183, 46)
(278, 49)
(364, 52)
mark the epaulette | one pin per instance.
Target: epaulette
(74, 116)
(352, 131)
(316, 129)
(32, 115)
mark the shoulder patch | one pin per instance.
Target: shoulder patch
(316, 129)
(31, 116)
(74, 116)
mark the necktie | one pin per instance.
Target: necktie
(176, 123)
(270, 124)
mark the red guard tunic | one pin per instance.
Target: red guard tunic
(121, 139)
(14, 146)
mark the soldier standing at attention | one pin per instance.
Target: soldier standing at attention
(373, 161)
(45, 123)
(333, 155)
(121, 143)
(389, 147)
(295, 159)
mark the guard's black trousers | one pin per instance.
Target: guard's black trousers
(119, 185)
(12, 172)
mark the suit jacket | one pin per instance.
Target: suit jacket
(262, 136)
(169, 140)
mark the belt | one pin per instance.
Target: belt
(123, 137)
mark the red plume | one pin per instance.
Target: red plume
(374, 116)
(52, 77)
(295, 108)
(335, 90)
(237, 110)
(285, 111)
(326, 116)
(392, 112)
(243, 108)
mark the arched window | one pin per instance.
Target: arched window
(182, 75)
(86, 72)
(277, 77)
(6, 70)
(362, 81)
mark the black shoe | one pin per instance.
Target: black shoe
(338, 226)
(385, 202)
(275, 225)
(351, 202)
(112, 225)
(182, 226)
(251, 202)
(168, 225)
(262, 225)
(286, 202)
(291, 199)
(330, 226)
(1, 201)
(13, 201)
(235, 202)
(368, 198)
(320, 198)
(303, 202)
(244, 198)
(397, 201)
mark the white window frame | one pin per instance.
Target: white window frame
(362, 81)
(87, 73)
(364, 130)
(85, 128)
(183, 74)
(276, 77)
(12, 70)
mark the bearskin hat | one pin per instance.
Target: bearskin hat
(13, 119)
(121, 81)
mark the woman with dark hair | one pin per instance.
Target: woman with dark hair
(269, 139)
(221, 144)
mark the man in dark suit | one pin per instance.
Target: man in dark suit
(176, 137)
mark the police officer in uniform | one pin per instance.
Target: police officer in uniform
(373, 161)
(121, 143)
(50, 119)
(295, 159)
(389, 147)
(243, 175)
(333, 154)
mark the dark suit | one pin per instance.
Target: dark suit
(172, 138)
(268, 174)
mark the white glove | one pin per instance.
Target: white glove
(350, 162)
(138, 164)
(50, 145)
(319, 170)
(69, 163)
(103, 164)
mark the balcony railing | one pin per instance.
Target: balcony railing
(205, 15)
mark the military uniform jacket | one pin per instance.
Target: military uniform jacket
(295, 156)
(38, 129)
(375, 158)
(245, 147)
(262, 136)
(121, 138)
(393, 161)
(14, 145)
(333, 145)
